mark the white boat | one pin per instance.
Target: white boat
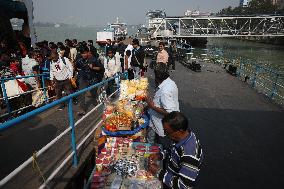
(113, 32)
(119, 29)
(195, 13)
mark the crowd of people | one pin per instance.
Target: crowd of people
(67, 67)
(61, 64)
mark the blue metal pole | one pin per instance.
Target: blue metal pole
(118, 82)
(73, 137)
(5, 96)
(21, 77)
(44, 89)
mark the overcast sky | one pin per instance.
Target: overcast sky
(100, 12)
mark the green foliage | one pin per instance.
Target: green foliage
(254, 7)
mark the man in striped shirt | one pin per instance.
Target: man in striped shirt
(183, 160)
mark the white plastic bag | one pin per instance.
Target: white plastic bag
(38, 98)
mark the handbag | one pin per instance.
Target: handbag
(22, 85)
(136, 64)
(38, 98)
(73, 81)
(12, 88)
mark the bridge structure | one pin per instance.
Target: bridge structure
(225, 26)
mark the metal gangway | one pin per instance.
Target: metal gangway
(77, 143)
(225, 26)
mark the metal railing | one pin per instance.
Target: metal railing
(6, 98)
(72, 125)
(264, 79)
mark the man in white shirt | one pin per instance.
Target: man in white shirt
(61, 71)
(112, 67)
(127, 61)
(28, 63)
(164, 102)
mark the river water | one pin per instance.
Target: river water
(267, 55)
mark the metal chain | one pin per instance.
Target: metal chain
(36, 168)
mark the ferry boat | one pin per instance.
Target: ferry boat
(119, 28)
(157, 25)
(159, 29)
(143, 35)
(56, 25)
(113, 32)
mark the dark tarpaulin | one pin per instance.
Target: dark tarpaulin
(13, 9)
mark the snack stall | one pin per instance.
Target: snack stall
(123, 156)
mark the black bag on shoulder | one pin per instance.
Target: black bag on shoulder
(134, 61)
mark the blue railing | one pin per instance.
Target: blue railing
(4, 90)
(35, 112)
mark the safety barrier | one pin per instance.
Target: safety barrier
(265, 80)
(10, 110)
(72, 125)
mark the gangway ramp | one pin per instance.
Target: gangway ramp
(20, 142)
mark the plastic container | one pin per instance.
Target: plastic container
(99, 165)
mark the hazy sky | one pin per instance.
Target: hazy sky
(100, 12)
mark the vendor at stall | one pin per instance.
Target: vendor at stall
(164, 102)
(182, 162)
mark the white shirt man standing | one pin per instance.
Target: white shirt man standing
(112, 67)
(27, 66)
(127, 61)
(164, 102)
(111, 64)
(61, 71)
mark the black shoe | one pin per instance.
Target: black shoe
(81, 113)
(75, 102)
(61, 107)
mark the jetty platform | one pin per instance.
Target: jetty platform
(240, 130)
(18, 144)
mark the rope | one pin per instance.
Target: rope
(37, 168)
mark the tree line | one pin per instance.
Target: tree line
(254, 7)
